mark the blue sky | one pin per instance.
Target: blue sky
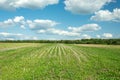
(59, 19)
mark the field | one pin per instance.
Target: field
(37, 61)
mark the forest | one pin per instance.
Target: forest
(82, 41)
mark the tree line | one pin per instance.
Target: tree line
(82, 41)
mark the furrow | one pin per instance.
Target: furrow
(85, 55)
(60, 56)
(82, 56)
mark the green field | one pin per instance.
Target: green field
(36, 61)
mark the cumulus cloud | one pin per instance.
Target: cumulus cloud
(85, 36)
(7, 23)
(31, 4)
(23, 26)
(9, 39)
(41, 31)
(16, 36)
(85, 6)
(25, 37)
(41, 24)
(85, 28)
(35, 24)
(98, 36)
(63, 32)
(107, 35)
(10, 36)
(106, 15)
(72, 31)
(18, 20)
(5, 4)
(58, 32)
(49, 27)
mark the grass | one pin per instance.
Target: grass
(34, 61)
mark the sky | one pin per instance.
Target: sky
(59, 19)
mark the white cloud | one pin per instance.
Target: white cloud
(31, 4)
(18, 20)
(5, 4)
(74, 31)
(85, 36)
(35, 24)
(29, 38)
(41, 31)
(107, 35)
(98, 36)
(105, 15)
(23, 27)
(58, 32)
(7, 23)
(34, 38)
(52, 39)
(16, 36)
(84, 6)
(85, 28)
(48, 26)
(41, 24)
(10, 39)
(63, 32)
(10, 35)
